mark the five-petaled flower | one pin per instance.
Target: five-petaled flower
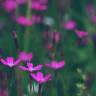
(40, 78)
(30, 67)
(9, 61)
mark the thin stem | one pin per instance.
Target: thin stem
(40, 90)
(27, 31)
(30, 84)
(16, 41)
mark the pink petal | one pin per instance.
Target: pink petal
(10, 59)
(39, 75)
(61, 64)
(48, 65)
(30, 65)
(38, 67)
(21, 2)
(30, 56)
(57, 37)
(23, 68)
(43, 1)
(10, 5)
(70, 25)
(38, 6)
(24, 21)
(3, 61)
(17, 61)
(48, 77)
(34, 76)
(81, 34)
(25, 56)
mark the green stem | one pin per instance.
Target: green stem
(39, 90)
(30, 84)
(27, 31)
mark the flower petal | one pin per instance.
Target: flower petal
(30, 65)
(3, 61)
(34, 77)
(17, 61)
(38, 67)
(23, 68)
(47, 77)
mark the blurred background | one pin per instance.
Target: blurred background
(50, 29)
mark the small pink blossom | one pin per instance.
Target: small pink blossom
(40, 78)
(56, 37)
(25, 56)
(22, 20)
(9, 5)
(38, 7)
(81, 34)
(93, 19)
(3, 92)
(36, 18)
(10, 61)
(56, 65)
(43, 1)
(70, 25)
(90, 9)
(20, 2)
(30, 67)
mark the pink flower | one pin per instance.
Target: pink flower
(38, 7)
(40, 78)
(3, 92)
(9, 5)
(36, 18)
(10, 61)
(22, 20)
(56, 37)
(70, 25)
(90, 9)
(21, 2)
(43, 1)
(30, 67)
(25, 56)
(56, 65)
(81, 34)
(93, 19)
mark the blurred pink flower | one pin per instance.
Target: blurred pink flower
(10, 61)
(43, 1)
(36, 18)
(57, 37)
(56, 65)
(20, 2)
(81, 34)
(22, 20)
(38, 7)
(30, 67)
(70, 25)
(90, 9)
(25, 56)
(40, 78)
(9, 5)
(3, 92)
(93, 19)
